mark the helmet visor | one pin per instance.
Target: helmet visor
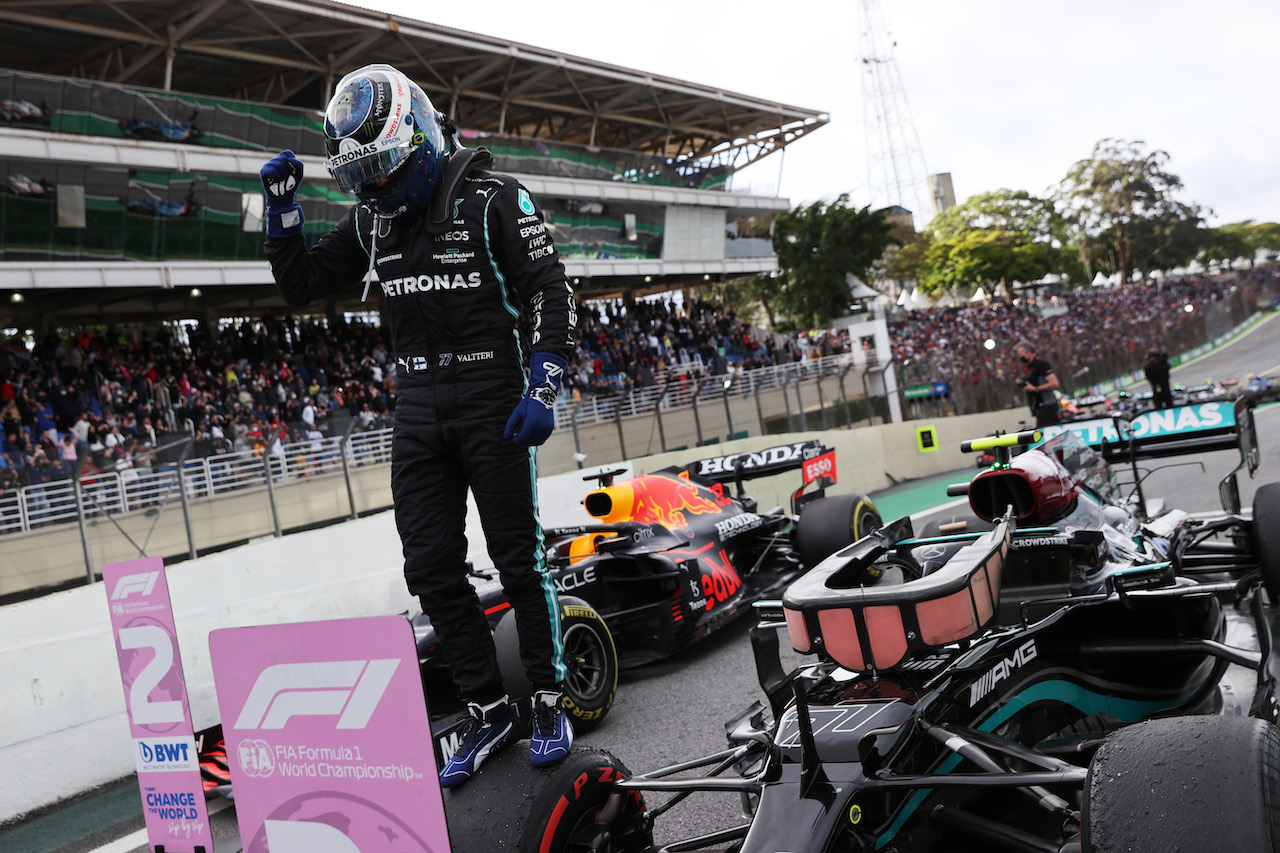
(367, 165)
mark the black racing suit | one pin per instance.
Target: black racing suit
(453, 283)
(1044, 405)
(1157, 372)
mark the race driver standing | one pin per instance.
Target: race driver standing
(458, 251)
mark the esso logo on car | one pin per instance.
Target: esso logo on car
(821, 466)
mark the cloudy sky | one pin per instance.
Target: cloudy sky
(1004, 93)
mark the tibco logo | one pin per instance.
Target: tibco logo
(346, 689)
(129, 584)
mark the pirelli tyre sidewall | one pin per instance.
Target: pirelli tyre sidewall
(557, 809)
(590, 657)
(826, 525)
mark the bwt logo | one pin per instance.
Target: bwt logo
(162, 752)
(346, 689)
(129, 584)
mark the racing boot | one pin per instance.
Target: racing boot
(484, 733)
(552, 733)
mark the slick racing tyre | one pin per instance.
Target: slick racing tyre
(589, 655)
(1186, 784)
(1266, 536)
(828, 524)
(565, 808)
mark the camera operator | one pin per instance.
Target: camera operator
(1157, 373)
(1039, 381)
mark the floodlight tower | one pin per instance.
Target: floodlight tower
(896, 171)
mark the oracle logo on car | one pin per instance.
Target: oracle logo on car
(346, 689)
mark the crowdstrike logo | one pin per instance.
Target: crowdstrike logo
(130, 584)
(346, 689)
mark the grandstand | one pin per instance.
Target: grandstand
(132, 138)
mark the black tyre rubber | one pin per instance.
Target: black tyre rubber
(1266, 536)
(510, 806)
(1188, 784)
(828, 524)
(589, 655)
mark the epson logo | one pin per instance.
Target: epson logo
(130, 584)
(346, 689)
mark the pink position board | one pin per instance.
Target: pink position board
(155, 695)
(328, 737)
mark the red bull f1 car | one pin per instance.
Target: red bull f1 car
(675, 554)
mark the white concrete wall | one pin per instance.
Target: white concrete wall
(62, 715)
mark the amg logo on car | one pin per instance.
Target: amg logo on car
(425, 283)
(737, 524)
(1002, 670)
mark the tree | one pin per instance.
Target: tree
(1014, 219)
(817, 247)
(1013, 211)
(1244, 239)
(982, 257)
(907, 262)
(1120, 204)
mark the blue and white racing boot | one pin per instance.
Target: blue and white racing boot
(552, 732)
(483, 734)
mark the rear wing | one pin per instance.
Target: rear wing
(1182, 430)
(810, 456)
(1193, 428)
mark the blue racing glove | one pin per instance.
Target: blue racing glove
(534, 419)
(280, 178)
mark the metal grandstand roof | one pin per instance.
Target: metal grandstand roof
(292, 52)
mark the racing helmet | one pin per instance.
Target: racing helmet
(384, 140)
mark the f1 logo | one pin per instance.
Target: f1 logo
(347, 689)
(129, 584)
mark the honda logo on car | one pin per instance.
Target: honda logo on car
(737, 524)
(773, 456)
(347, 689)
(1002, 670)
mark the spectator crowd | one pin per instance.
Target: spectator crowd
(121, 401)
